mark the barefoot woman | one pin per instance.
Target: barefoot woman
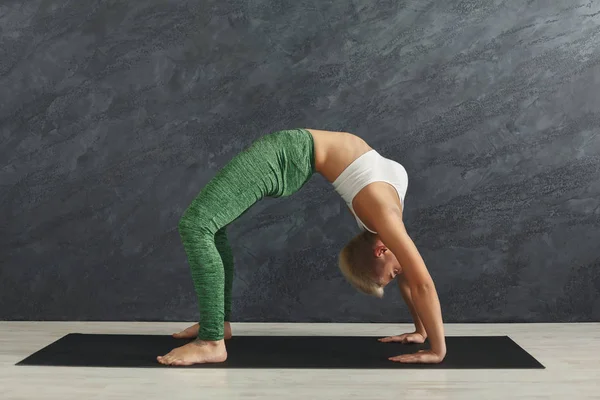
(278, 165)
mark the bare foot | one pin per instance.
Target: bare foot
(196, 352)
(192, 332)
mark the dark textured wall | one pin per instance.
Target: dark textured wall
(114, 114)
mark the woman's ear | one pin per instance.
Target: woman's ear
(380, 250)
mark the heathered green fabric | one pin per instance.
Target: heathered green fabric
(276, 165)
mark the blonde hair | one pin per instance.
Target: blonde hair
(356, 264)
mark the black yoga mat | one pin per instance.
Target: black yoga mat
(332, 352)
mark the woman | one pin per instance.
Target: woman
(277, 165)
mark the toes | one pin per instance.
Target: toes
(166, 359)
(183, 334)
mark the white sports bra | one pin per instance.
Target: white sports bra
(368, 168)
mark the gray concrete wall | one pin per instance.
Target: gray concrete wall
(114, 114)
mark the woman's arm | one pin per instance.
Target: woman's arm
(406, 295)
(391, 230)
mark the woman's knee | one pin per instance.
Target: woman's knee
(192, 222)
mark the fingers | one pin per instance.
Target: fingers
(407, 359)
(404, 338)
(422, 356)
(401, 339)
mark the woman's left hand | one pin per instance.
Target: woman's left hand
(414, 337)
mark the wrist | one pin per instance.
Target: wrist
(439, 350)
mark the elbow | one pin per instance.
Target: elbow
(422, 288)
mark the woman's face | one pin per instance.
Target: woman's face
(387, 268)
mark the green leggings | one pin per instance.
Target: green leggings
(276, 165)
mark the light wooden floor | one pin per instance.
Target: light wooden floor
(570, 352)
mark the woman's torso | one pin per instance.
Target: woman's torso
(335, 151)
(359, 174)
